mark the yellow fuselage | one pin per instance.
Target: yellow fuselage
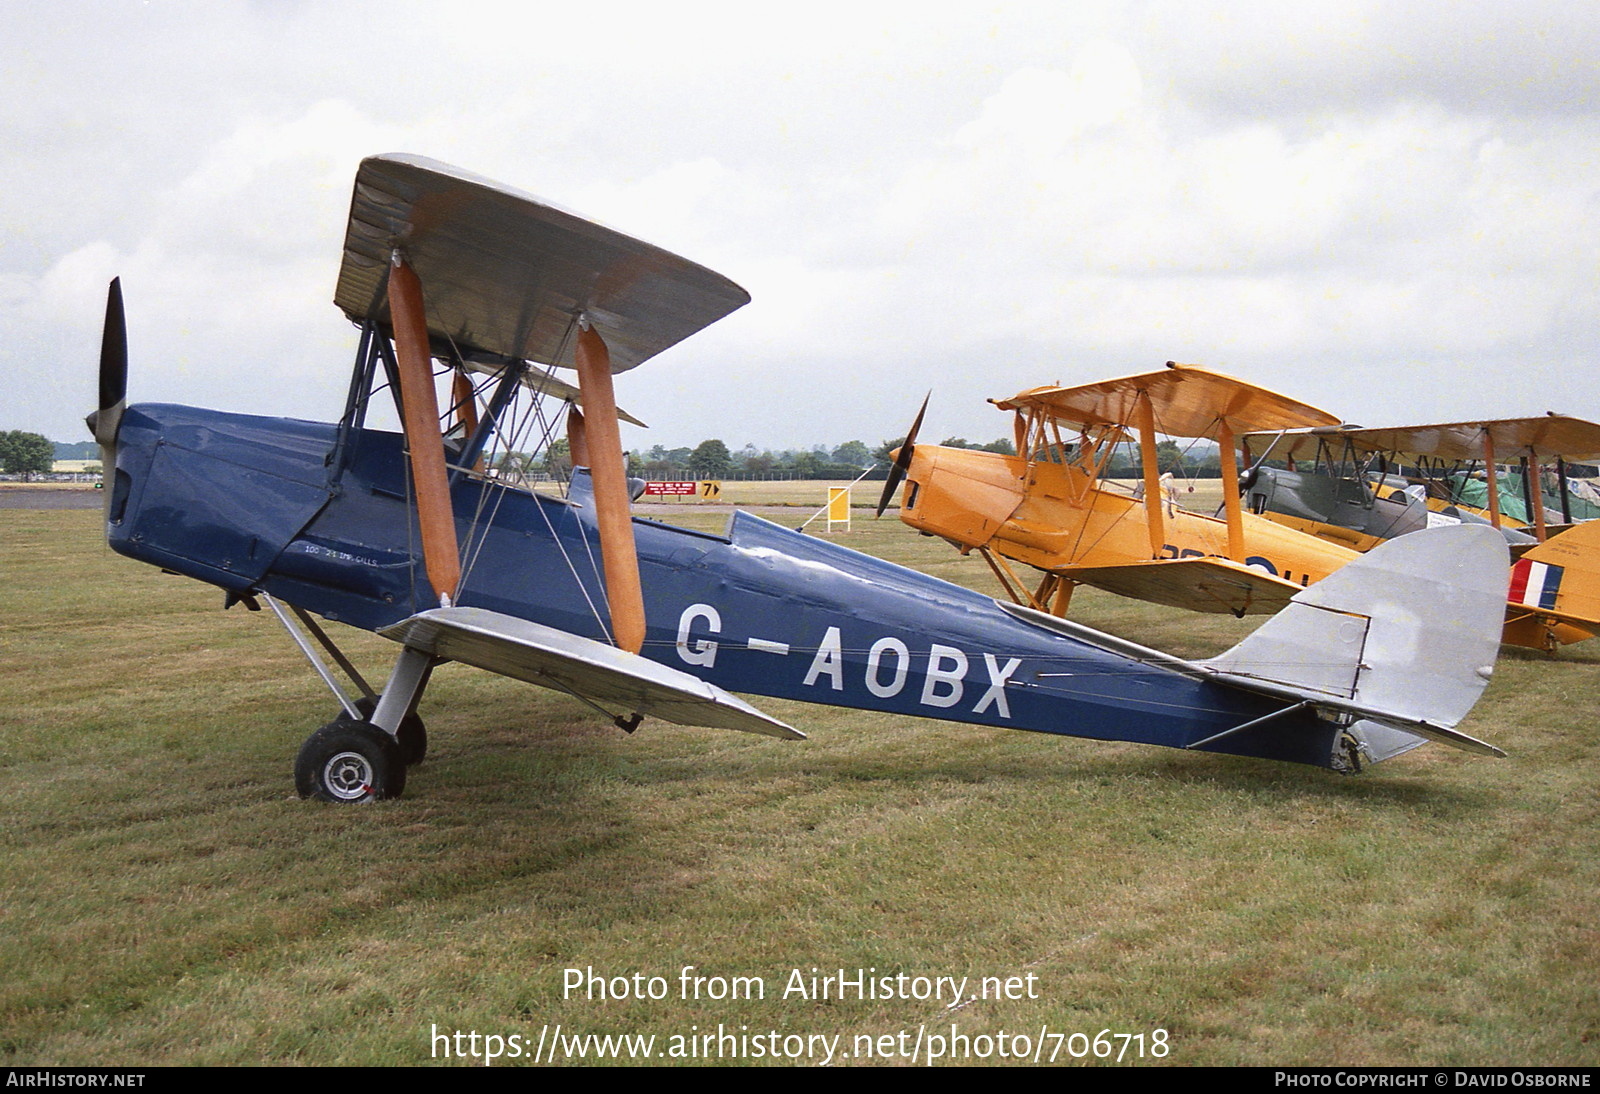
(1056, 517)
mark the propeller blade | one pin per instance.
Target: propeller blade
(106, 420)
(114, 349)
(1248, 478)
(902, 462)
(113, 369)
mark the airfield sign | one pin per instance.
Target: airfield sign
(686, 488)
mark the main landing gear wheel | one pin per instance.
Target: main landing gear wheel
(349, 762)
(413, 734)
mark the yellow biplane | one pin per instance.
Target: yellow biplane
(1052, 508)
(1360, 487)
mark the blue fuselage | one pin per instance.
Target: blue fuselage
(260, 504)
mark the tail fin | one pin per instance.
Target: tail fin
(1404, 639)
(1562, 576)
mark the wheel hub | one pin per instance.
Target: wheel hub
(348, 776)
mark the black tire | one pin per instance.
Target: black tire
(413, 740)
(413, 733)
(348, 763)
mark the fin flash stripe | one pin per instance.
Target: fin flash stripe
(1534, 584)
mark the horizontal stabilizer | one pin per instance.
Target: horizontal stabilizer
(1405, 636)
(551, 658)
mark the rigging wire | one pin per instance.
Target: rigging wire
(523, 421)
(532, 418)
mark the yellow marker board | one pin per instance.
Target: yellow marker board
(839, 507)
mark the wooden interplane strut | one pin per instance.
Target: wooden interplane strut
(618, 552)
(577, 438)
(1154, 519)
(1494, 478)
(1226, 448)
(441, 555)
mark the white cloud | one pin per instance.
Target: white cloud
(977, 197)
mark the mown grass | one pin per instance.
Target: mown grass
(164, 897)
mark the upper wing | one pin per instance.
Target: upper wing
(542, 655)
(505, 273)
(1187, 402)
(1546, 437)
(1197, 584)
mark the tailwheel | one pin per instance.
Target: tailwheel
(1349, 757)
(412, 734)
(350, 762)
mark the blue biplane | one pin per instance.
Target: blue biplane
(420, 536)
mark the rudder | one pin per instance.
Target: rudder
(1404, 637)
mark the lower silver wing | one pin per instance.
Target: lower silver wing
(536, 654)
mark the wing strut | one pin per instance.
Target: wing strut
(440, 554)
(1533, 493)
(624, 594)
(1494, 477)
(1230, 489)
(1144, 413)
(577, 438)
(466, 403)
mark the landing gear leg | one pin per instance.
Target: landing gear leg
(396, 710)
(350, 760)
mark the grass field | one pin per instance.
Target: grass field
(165, 899)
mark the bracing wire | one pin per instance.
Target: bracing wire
(518, 424)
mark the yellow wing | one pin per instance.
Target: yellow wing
(1545, 437)
(1187, 401)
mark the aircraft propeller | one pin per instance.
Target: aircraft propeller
(106, 421)
(1248, 478)
(902, 463)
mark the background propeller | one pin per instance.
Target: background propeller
(1251, 473)
(902, 461)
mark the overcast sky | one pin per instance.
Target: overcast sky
(1391, 210)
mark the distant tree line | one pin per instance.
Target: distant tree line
(29, 453)
(1183, 463)
(712, 459)
(77, 450)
